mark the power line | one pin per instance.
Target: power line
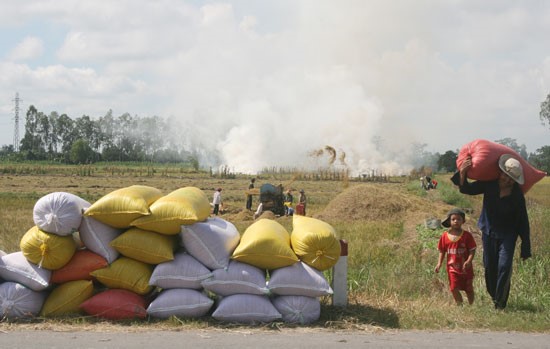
(16, 126)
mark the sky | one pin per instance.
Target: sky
(266, 83)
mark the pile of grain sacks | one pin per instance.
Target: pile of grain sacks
(136, 253)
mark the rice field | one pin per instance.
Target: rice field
(391, 283)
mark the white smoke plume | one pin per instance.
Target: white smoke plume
(270, 99)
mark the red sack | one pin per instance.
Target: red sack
(79, 267)
(485, 155)
(300, 209)
(116, 304)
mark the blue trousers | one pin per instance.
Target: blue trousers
(497, 260)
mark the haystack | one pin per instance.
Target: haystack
(243, 215)
(372, 202)
(267, 215)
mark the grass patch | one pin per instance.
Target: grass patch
(448, 193)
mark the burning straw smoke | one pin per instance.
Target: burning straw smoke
(269, 99)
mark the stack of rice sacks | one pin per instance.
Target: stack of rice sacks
(295, 264)
(47, 248)
(138, 253)
(145, 249)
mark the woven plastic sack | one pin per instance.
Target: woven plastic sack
(485, 155)
(48, 251)
(180, 302)
(298, 309)
(299, 280)
(79, 267)
(145, 246)
(265, 244)
(120, 207)
(16, 268)
(315, 242)
(211, 242)
(183, 272)
(19, 302)
(237, 278)
(59, 213)
(246, 308)
(66, 298)
(183, 206)
(97, 237)
(116, 304)
(126, 273)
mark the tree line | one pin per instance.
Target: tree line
(56, 137)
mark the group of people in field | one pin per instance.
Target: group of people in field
(503, 218)
(288, 201)
(427, 182)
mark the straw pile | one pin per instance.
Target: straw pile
(373, 202)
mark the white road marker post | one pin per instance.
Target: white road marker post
(340, 277)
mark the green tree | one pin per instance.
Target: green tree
(44, 132)
(107, 127)
(447, 161)
(111, 153)
(88, 129)
(81, 152)
(513, 144)
(32, 144)
(130, 147)
(541, 159)
(53, 136)
(64, 129)
(545, 111)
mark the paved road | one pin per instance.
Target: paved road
(284, 339)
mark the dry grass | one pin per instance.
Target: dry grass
(379, 220)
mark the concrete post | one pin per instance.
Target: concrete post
(340, 277)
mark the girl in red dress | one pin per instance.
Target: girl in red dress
(459, 246)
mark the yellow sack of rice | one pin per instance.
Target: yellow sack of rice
(47, 250)
(183, 206)
(126, 273)
(314, 242)
(66, 298)
(145, 246)
(266, 245)
(120, 207)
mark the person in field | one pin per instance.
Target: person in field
(503, 218)
(289, 200)
(249, 195)
(217, 201)
(459, 246)
(302, 202)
